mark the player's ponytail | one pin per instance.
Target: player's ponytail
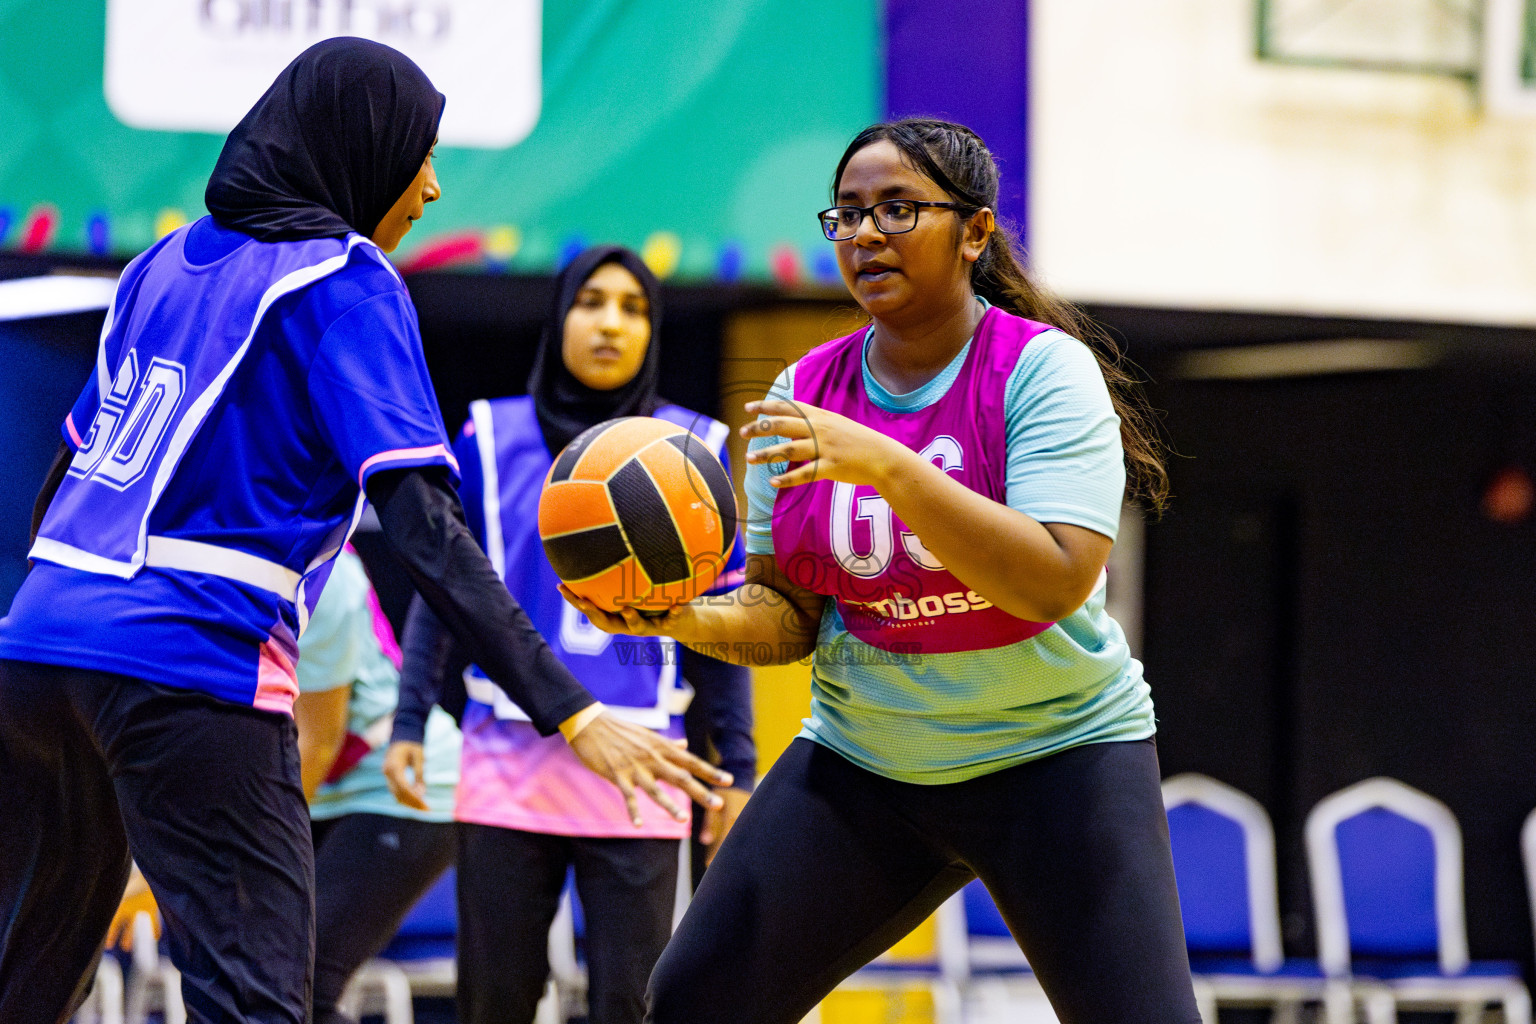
(957, 160)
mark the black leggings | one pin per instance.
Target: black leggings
(370, 869)
(830, 864)
(509, 890)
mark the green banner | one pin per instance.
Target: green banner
(703, 134)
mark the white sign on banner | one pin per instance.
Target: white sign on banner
(199, 65)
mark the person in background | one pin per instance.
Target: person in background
(527, 812)
(718, 726)
(374, 857)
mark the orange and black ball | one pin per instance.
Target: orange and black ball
(637, 511)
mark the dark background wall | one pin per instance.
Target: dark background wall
(43, 365)
(1326, 601)
(481, 332)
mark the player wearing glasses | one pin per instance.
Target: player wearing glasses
(933, 499)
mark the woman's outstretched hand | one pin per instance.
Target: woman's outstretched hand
(633, 758)
(822, 445)
(677, 622)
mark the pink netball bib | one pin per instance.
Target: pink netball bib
(844, 541)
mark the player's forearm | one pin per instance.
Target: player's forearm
(316, 755)
(721, 714)
(425, 646)
(424, 525)
(1005, 556)
(752, 625)
(321, 720)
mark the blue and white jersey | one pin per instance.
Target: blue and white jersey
(504, 462)
(239, 404)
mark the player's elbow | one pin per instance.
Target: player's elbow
(1051, 603)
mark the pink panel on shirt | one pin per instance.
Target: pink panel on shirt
(383, 632)
(511, 777)
(74, 435)
(277, 682)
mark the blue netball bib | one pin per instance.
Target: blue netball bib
(190, 326)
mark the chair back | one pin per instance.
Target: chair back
(972, 937)
(1385, 861)
(1528, 854)
(1224, 861)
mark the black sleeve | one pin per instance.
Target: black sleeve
(56, 471)
(425, 646)
(423, 523)
(432, 673)
(720, 716)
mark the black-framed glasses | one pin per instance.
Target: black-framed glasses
(892, 217)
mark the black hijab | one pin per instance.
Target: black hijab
(332, 145)
(565, 405)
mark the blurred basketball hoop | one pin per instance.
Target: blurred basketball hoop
(1441, 37)
(1491, 44)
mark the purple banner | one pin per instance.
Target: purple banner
(967, 61)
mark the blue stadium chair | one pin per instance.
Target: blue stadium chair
(988, 946)
(429, 931)
(979, 956)
(1528, 855)
(1386, 869)
(421, 961)
(1224, 860)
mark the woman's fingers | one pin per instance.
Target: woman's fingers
(696, 791)
(629, 755)
(631, 802)
(628, 621)
(690, 764)
(673, 764)
(777, 416)
(788, 451)
(802, 474)
(405, 771)
(777, 407)
(657, 794)
(603, 620)
(782, 426)
(634, 623)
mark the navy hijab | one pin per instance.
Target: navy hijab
(565, 406)
(330, 147)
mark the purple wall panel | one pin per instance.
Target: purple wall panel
(966, 61)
